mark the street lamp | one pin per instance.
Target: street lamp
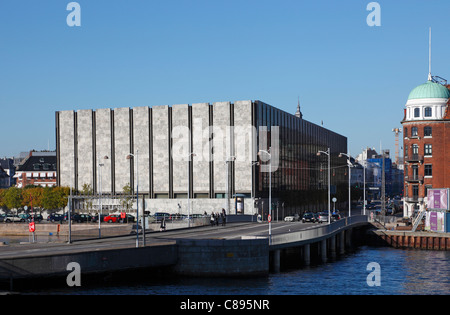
(329, 183)
(349, 183)
(252, 197)
(270, 192)
(188, 190)
(129, 157)
(227, 185)
(100, 206)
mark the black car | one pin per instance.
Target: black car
(55, 217)
(81, 218)
(309, 217)
(95, 217)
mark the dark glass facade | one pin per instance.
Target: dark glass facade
(301, 179)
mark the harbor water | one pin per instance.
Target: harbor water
(400, 272)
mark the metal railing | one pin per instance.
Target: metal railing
(316, 233)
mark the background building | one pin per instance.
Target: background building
(426, 144)
(38, 169)
(207, 149)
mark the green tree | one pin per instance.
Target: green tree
(55, 197)
(87, 190)
(126, 201)
(13, 198)
(32, 196)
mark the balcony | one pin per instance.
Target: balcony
(414, 198)
(414, 158)
(413, 178)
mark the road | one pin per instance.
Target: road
(230, 231)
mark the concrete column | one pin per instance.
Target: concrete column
(333, 246)
(348, 240)
(323, 250)
(276, 260)
(307, 254)
(341, 243)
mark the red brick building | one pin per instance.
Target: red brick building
(38, 169)
(426, 145)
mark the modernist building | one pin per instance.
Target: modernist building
(209, 151)
(426, 128)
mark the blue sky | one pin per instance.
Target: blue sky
(354, 78)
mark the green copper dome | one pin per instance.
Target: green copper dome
(429, 90)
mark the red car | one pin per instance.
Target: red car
(112, 218)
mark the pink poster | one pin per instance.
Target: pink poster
(437, 199)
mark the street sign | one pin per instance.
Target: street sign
(269, 218)
(31, 227)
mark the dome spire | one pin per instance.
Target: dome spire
(430, 78)
(298, 113)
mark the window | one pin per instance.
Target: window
(427, 131)
(428, 150)
(415, 149)
(406, 151)
(406, 132)
(416, 112)
(415, 191)
(428, 111)
(428, 170)
(414, 132)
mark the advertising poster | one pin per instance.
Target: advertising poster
(437, 199)
(435, 221)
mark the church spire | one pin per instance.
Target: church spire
(298, 113)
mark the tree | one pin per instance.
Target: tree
(87, 190)
(55, 198)
(13, 198)
(32, 196)
(126, 201)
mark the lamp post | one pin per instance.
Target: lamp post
(188, 190)
(227, 185)
(349, 182)
(329, 182)
(252, 196)
(270, 192)
(100, 205)
(130, 156)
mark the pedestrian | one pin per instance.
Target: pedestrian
(212, 218)
(217, 218)
(163, 225)
(224, 217)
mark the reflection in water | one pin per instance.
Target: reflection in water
(402, 272)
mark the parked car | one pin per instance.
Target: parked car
(112, 218)
(2, 217)
(128, 218)
(102, 217)
(13, 218)
(55, 217)
(28, 217)
(289, 218)
(309, 217)
(322, 217)
(159, 215)
(81, 218)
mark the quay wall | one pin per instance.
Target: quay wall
(223, 257)
(412, 240)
